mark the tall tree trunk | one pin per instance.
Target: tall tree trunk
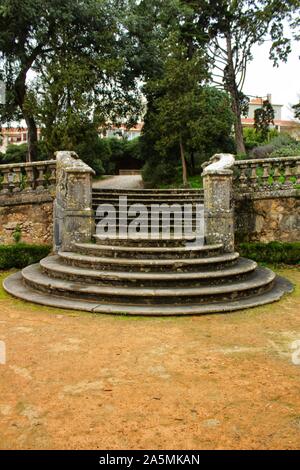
(20, 91)
(184, 166)
(193, 164)
(235, 101)
(32, 138)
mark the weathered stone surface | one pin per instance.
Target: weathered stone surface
(35, 221)
(218, 203)
(73, 214)
(268, 219)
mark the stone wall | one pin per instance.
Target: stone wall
(265, 219)
(34, 215)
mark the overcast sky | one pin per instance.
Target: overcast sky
(282, 82)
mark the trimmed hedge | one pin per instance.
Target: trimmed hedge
(273, 252)
(21, 255)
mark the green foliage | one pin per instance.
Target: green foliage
(15, 154)
(282, 145)
(205, 121)
(21, 255)
(17, 234)
(263, 117)
(78, 51)
(18, 153)
(287, 151)
(254, 139)
(273, 252)
(296, 109)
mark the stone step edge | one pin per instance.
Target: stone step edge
(33, 275)
(14, 286)
(150, 262)
(184, 238)
(53, 264)
(183, 249)
(148, 191)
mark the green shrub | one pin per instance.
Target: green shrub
(21, 255)
(273, 252)
(17, 234)
(282, 145)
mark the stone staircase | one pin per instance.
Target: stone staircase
(147, 197)
(141, 276)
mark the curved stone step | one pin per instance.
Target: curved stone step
(143, 240)
(54, 267)
(182, 252)
(149, 265)
(15, 286)
(260, 282)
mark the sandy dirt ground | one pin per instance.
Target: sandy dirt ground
(81, 381)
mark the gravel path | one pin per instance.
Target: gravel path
(120, 182)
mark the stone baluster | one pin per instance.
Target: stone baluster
(5, 182)
(276, 173)
(52, 176)
(243, 176)
(280, 173)
(288, 173)
(40, 181)
(30, 180)
(17, 172)
(266, 173)
(253, 176)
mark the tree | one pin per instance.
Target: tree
(263, 117)
(33, 34)
(239, 25)
(177, 97)
(296, 109)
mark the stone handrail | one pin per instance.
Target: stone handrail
(268, 174)
(27, 177)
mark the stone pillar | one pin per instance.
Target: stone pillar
(73, 213)
(218, 202)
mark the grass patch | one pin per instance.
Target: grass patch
(194, 182)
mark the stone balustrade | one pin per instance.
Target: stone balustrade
(27, 177)
(267, 175)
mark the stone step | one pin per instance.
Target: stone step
(147, 204)
(15, 286)
(156, 223)
(55, 267)
(150, 252)
(148, 192)
(143, 240)
(148, 265)
(260, 282)
(149, 197)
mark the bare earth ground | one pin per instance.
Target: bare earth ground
(79, 381)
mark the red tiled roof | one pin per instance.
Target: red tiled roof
(277, 122)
